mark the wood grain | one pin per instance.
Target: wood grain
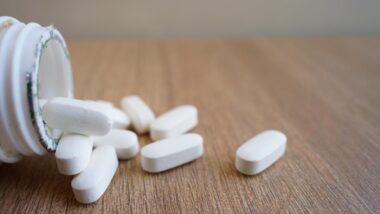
(323, 93)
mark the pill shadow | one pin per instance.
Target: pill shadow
(229, 170)
(186, 166)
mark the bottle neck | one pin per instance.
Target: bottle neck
(34, 65)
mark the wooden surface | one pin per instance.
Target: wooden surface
(323, 93)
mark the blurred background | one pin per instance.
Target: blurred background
(87, 19)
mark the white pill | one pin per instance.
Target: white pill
(260, 152)
(73, 153)
(125, 142)
(76, 116)
(139, 112)
(90, 185)
(171, 152)
(120, 118)
(174, 122)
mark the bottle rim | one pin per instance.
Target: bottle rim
(33, 136)
(48, 139)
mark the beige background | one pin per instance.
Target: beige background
(200, 18)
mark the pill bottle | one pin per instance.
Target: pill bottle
(34, 66)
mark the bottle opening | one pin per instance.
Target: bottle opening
(54, 79)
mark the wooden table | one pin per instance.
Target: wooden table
(323, 93)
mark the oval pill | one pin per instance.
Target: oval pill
(120, 118)
(90, 185)
(172, 152)
(139, 113)
(174, 122)
(124, 142)
(260, 152)
(73, 153)
(76, 116)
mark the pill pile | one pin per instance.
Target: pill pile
(96, 134)
(96, 137)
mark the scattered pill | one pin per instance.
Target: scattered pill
(76, 116)
(90, 185)
(171, 152)
(260, 152)
(139, 112)
(119, 117)
(73, 153)
(174, 122)
(124, 142)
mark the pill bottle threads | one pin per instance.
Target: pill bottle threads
(34, 65)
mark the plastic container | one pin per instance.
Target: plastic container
(34, 65)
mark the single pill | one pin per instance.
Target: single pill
(174, 122)
(120, 118)
(73, 153)
(139, 112)
(124, 142)
(76, 116)
(90, 185)
(260, 152)
(171, 152)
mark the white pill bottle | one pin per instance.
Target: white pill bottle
(34, 66)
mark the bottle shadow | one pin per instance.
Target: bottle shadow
(32, 183)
